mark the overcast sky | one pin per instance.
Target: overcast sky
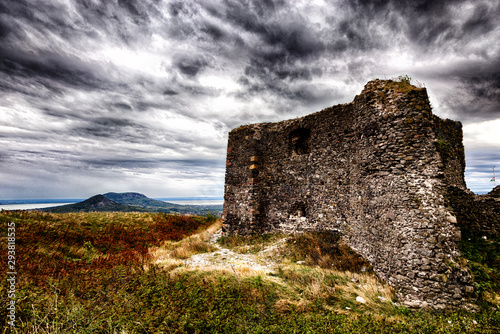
(139, 95)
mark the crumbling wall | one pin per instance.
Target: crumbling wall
(477, 215)
(377, 171)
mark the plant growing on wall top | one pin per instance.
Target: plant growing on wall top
(404, 79)
(403, 84)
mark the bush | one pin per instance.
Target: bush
(325, 250)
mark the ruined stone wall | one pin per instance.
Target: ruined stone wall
(477, 215)
(377, 171)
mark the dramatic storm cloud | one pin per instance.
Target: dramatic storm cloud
(138, 95)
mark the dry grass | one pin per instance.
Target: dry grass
(191, 247)
(247, 271)
(286, 305)
(187, 247)
(492, 297)
(303, 283)
(377, 295)
(325, 250)
(239, 271)
(167, 263)
(340, 288)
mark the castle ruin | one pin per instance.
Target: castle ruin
(382, 171)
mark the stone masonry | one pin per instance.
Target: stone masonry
(382, 171)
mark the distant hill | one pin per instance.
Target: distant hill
(94, 203)
(131, 201)
(140, 200)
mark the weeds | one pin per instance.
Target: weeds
(483, 256)
(325, 250)
(98, 273)
(403, 84)
(405, 79)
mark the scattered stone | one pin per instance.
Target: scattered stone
(451, 219)
(360, 299)
(412, 303)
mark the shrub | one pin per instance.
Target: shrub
(325, 250)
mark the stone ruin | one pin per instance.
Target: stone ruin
(382, 171)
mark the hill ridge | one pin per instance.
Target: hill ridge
(132, 202)
(137, 199)
(98, 203)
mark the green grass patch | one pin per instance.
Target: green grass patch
(484, 263)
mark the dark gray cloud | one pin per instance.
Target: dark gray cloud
(144, 92)
(47, 68)
(198, 165)
(474, 88)
(190, 65)
(283, 45)
(478, 96)
(112, 128)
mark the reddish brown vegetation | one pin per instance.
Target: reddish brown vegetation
(85, 243)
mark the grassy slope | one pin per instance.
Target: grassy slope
(96, 273)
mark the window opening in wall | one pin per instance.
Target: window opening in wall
(299, 210)
(299, 140)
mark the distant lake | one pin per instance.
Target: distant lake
(30, 206)
(182, 201)
(196, 201)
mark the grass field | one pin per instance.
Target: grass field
(101, 273)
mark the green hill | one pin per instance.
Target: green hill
(97, 203)
(149, 204)
(133, 202)
(137, 199)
